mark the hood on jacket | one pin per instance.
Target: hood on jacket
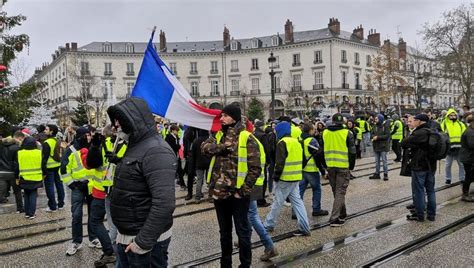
(335, 127)
(450, 111)
(8, 141)
(283, 129)
(29, 143)
(135, 118)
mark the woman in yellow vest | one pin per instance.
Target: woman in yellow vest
(30, 174)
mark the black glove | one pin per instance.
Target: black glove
(96, 139)
(112, 157)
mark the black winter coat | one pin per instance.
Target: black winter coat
(8, 153)
(143, 196)
(382, 144)
(466, 153)
(417, 145)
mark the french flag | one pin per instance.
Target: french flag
(166, 97)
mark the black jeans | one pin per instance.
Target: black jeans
(469, 171)
(226, 209)
(97, 225)
(157, 257)
(5, 183)
(397, 149)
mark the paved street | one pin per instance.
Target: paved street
(376, 225)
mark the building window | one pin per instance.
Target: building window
(297, 82)
(234, 65)
(235, 85)
(130, 86)
(318, 57)
(255, 85)
(107, 47)
(107, 89)
(130, 70)
(254, 43)
(108, 68)
(275, 41)
(344, 80)
(357, 81)
(297, 102)
(254, 64)
(233, 45)
(343, 56)
(129, 48)
(214, 67)
(173, 68)
(194, 89)
(214, 88)
(277, 84)
(296, 59)
(356, 57)
(318, 80)
(193, 68)
(412, 68)
(85, 68)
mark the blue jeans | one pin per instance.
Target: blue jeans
(53, 179)
(97, 224)
(449, 162)
(421, 181)
(366, 139)
(313, 179)
(289, 190)
(78, 198)
(157, 257)
(381, 156)
(270, 168)
(30, 201)
(257, 224)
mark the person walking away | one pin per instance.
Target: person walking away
(339, 158)
(51, 162)
(381, 145)
(234, 169)
(30, 174)
(9, 147)
(270, 151)
(454, 128)
(75, 175)
(143, 193)
(200, 162)
(396, 128)
(422, 168)
(288, 174)
(466, 156)
(261, 136)
(173, 140)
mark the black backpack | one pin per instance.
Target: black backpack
(438, 145)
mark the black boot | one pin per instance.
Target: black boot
(385, 177)
(375, 177)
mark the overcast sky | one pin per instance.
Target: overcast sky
(52, 23)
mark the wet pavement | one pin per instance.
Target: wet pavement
(377, 226)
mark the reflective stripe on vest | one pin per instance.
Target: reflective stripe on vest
(292, 171)
(311, 165)
(75, 169)
(29, 162)
(399, 134)
(51, 163)
(335, 148)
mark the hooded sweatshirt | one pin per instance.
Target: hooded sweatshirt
(382, 131)
(449, 125)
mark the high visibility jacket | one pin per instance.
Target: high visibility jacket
(29, 162)
(359, 133)
(51, 162)
(164, 132)
(75, 169)
(296, 132)
(398, 135)
(242, 167)
(292, 171)
(311, 165)
(454, 131)
(364, 126)
(335, 148)
(98, 174)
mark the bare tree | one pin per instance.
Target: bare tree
(19, 71)
(451, 40)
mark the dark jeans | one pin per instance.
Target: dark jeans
(271, 168)
(358, 151)
(180, 174)
(265, 182)
(97, 224)
(157, 257)
(397, 149)
(53, 179)
(339, 179)
(421, 181)
(191, 175)
(469, 168)
(5, 185)
(30, 202)
(78, 198)
(226, 209)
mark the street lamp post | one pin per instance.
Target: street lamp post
(271, 62)
(97, 112)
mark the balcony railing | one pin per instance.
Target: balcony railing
(85, 73)
(255, 91)
(357, 62)
(254, 69)
(318, 86)
(295, 64)
(130, 73)
(194, 94)
(234, 70)
(215, 94)
(108, 73)
(214, 71)
(318, 61)
(346, 86)
(193, 72)
(296, 88)
(359, 87)
(235, 93)
(344, 60)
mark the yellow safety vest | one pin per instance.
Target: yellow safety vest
(51, 162)
(75, 169)
(364, 125)
(292, 171)
(29, 162)
(311, 165)
(296, 132)
(98, 174)
(399, 134)
(454, 130)
(359, 133)
(242, 167)
(335, 148)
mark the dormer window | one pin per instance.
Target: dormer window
(275, 41)
(255, 43)
(233, 45)
(129, 48)
(107, 47)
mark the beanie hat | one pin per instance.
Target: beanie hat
(80, 132)
(233, 111)
(337, 118)
(422, 117)
(283, 129)
(395, 117)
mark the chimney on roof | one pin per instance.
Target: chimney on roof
(289, 37)
(374, 38)
(73, 46)
(162, 41)
(226, 37)
(67, 47)
(359, 32)
(402, 49)
(334, 25)
(386, 42)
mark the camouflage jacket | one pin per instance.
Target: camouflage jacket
(224, 173)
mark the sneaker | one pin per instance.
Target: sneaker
(27, 216)
(448, 182)
(385, 177)
(198, 200)
(183, 188)
(301, 233)
(293, 217)
(374, 177)
(411, 206)
(467, 198)
(431, 218)
(104, 260)
(321, 212)
(269, 229)
(413, 217)
(94, 243)
(263, 204)
(50, 210)
(188, 197)
(268, 254)
(20, 211)
(352, 177)
(32, 217)
(337, 223)
(73, 248)
(60, 208)
(287, 204)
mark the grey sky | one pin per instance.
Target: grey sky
(52, 23)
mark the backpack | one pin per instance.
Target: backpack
(438, 145)
(57, 151)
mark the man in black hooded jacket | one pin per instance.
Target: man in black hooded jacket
(143, 196)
